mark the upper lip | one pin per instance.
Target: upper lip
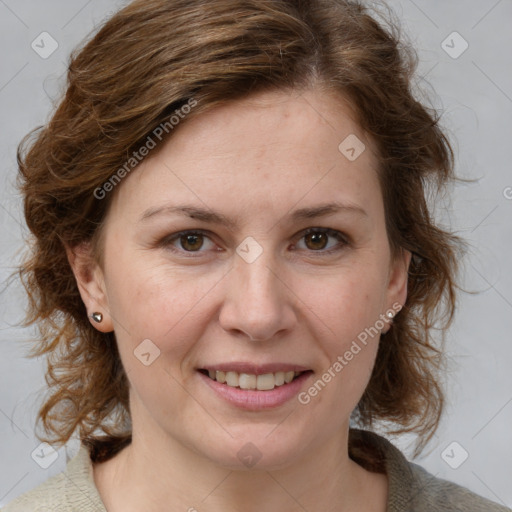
(254, 369)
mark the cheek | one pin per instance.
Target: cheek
(345, 313)
(344, 304)
(159, 304)
(170, 311)
(344, 310)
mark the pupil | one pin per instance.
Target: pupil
(191, 242)
(317, 240)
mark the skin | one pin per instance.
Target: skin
(255, 161)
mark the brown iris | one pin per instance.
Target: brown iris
(316, 241)
(191, 242)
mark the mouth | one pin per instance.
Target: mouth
(251, 381)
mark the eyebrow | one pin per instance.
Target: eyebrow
(212, 217)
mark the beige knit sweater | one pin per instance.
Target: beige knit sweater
(411, 488)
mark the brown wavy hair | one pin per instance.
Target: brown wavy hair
(149, 60)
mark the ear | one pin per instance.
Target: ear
(397, 281)
(91, 284)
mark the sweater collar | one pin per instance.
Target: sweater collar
(375, 453)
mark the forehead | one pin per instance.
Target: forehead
(262, 153)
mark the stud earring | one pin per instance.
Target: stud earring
(389, 315)
(97, 317)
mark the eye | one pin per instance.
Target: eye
(188, 241)
(319, 240)
(322, 240)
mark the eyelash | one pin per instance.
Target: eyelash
(342, 239)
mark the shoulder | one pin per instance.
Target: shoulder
(432, 494)
(73, 489)
(411, 487)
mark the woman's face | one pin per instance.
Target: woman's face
(286, 265)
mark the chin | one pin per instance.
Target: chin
(257, 449)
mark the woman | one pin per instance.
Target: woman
(234, 260)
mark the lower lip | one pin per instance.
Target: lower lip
(254, 400)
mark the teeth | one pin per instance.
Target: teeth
(232, 379)
(263, 382)
(246, 381)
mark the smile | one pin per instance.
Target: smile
(254, 386)
(262, 382)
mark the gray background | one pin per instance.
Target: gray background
(475, 92)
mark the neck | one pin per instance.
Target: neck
(156, 472)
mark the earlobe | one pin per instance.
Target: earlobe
(397, 287)
(91, 285)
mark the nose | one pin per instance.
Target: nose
(258, 302)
